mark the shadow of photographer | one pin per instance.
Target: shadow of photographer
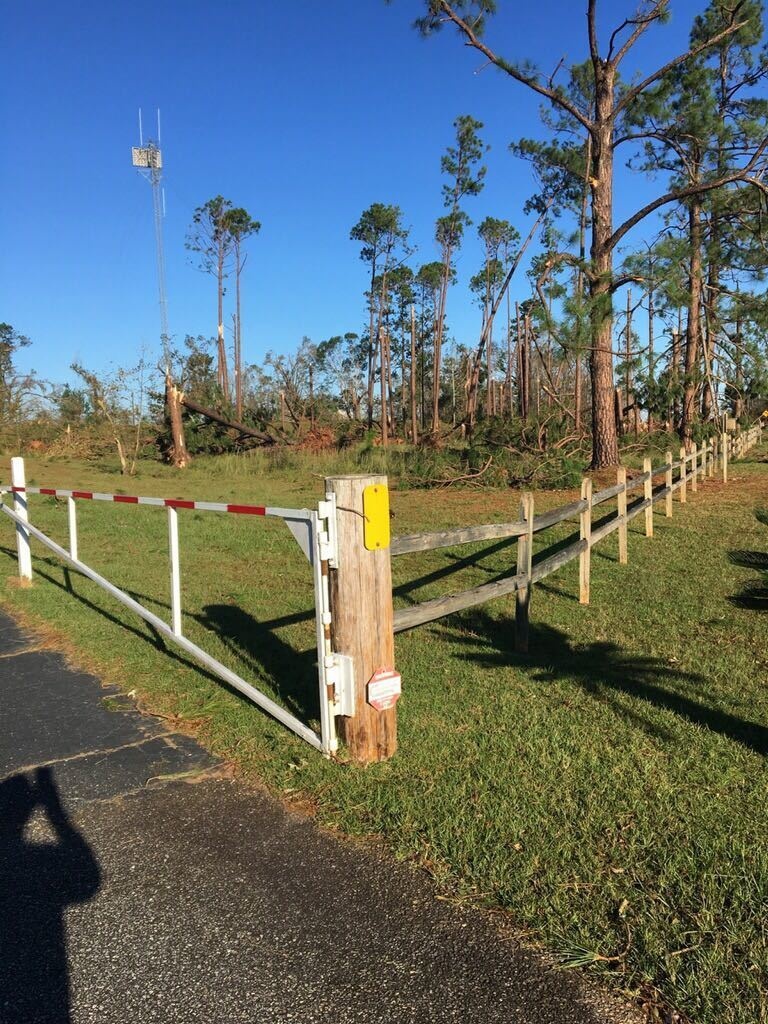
(38, 881)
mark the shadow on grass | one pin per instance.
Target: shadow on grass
(609, 674)
(290, 672)
(456, 563)
(753, 596)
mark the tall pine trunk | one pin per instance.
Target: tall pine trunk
(693, 328)
(414, 411)
(605, 448)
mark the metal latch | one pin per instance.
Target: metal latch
(340, 673)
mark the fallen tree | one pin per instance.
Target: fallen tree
(241, 428)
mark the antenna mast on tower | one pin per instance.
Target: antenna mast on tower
(149, 161)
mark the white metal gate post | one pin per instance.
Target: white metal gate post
(72, 520)
(173, 551)
(20, 508)
(322, 551)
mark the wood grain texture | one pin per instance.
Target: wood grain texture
(438, 607)
(362, 620)
(560, 558)
(448, 538)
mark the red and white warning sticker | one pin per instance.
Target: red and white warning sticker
(384, 689)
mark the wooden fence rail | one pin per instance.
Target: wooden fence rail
(689, 469)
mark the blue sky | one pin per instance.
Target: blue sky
(302, 112)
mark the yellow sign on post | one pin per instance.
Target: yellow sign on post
(376, 512)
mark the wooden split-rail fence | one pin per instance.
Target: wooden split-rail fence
(348, 545)
(366, 592)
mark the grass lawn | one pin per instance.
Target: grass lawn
(609, 789)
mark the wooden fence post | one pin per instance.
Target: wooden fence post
(724, 443)
(23, 549)
(361, 618)
(585, 534)
(524, 563)
(683, 476)
(695, 467)
(621, 512)
(668, 487)
(648, 496)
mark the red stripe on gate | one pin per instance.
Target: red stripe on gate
(178, 503)
(18, 490)
(247, 510)
(82, 494)
(48, 490)
(127, 499)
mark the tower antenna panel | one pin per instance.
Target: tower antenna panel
(149, 162)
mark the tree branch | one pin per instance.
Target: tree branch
(551, 94)
(631, 94)
(743, 174)
(594, 46)
(641, 23)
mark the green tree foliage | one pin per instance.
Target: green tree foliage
(461, 164)
(381, 234)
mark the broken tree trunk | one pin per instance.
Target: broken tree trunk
(174, 399)
(211, 414)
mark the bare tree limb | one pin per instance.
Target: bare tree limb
(551, 94)
(698, 188)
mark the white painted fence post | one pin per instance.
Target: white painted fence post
(20, 508)
(173, 550)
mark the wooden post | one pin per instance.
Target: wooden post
(361, 619)
(668, 486)
(585, 533)
(683, 476)
(695, 468)
(724, 444)
(648, 496)
(23, 549)
(621, 511)
(524, 563)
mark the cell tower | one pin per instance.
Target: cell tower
(149, 161)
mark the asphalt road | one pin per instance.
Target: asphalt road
(137, 886)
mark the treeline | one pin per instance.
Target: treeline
(654, 323)
(688, 339)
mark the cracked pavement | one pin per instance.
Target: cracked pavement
(127, 894)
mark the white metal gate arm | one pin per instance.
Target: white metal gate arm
(200, 655)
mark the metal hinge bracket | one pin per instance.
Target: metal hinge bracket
(340, 673)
